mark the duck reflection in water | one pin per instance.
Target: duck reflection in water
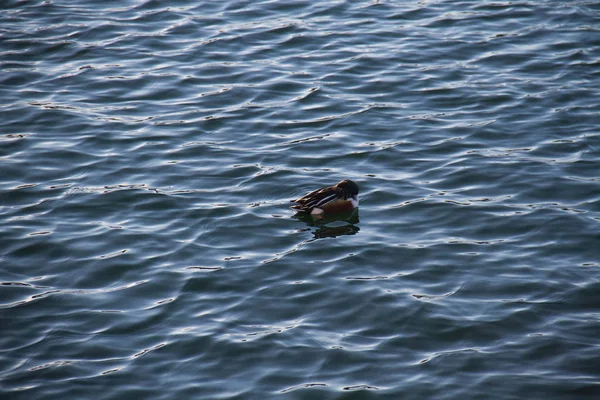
(332, 225)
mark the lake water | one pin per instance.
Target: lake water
(149, 150)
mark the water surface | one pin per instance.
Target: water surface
(149, 152)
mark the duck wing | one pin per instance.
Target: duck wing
(318, 198)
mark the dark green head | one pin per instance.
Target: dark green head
(350, 188)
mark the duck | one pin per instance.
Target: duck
(341, 197)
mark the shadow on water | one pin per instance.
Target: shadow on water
(332, 225)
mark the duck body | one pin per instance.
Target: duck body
(338, 198)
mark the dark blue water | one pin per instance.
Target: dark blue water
(149, 150)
